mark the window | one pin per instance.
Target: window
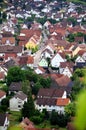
(19, 106)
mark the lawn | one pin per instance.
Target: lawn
(14, 117)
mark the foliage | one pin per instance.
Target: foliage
(59, 119)
(80, 120)
(28, 107)
(3, 108)
(70, 109)
(71, 38)
(73, 20)
(26, 86)
(76, 88)
(45, 82)
(36, 88)
(78, 84)
(5, 101)
(36, 119)
(15, 74)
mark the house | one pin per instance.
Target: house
(3, 70)
(15, 87)
(61, 103)
(63, 65)
(43, 63)
(84, 56)
(55, 61)
(46, 53)
(4, 121)
(75, 50)
(8, 41)
(8, 64)
(40, 70)
(67, 71)
(80, 62)
(33, 37)
(63, 81)
(7, 52)
(30, 61)
(82, 53)
(2, 95)
(50, 47)
(16, 103)
(47, 98)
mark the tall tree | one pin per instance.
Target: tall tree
(28, 107)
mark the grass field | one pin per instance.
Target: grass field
(14, 117)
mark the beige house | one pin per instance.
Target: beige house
(16, 103)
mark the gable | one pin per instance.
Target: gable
(43, 63)
(55, 61)
(79, 59)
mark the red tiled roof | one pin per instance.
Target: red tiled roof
(30, 60)
(2, 75)
(63, 81)
(81, 52)
(10, 39)
(29, 32)
(62, 101)
(2, 93)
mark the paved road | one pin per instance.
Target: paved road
(41, 48)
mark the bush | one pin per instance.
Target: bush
(36, 119)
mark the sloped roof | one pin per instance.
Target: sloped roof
(21, 95)
(15, 86)
(46, 101)
(63, 81)
(50, 92)
(2, 93)
(62, 101)
(10, 39)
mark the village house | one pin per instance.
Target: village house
(16, 103)
(40, 70)
(49, 99)
(56, 59)
(7, 52)
(4, 121)
(15, 87)
(8, 41)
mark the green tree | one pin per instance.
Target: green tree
(53, 118)
(70, 109)
(73, 20)
(45, 82)
(5, 101)
(28, 107)
(71, 38)
(36, 88)
(14, 74)
(26, 86)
